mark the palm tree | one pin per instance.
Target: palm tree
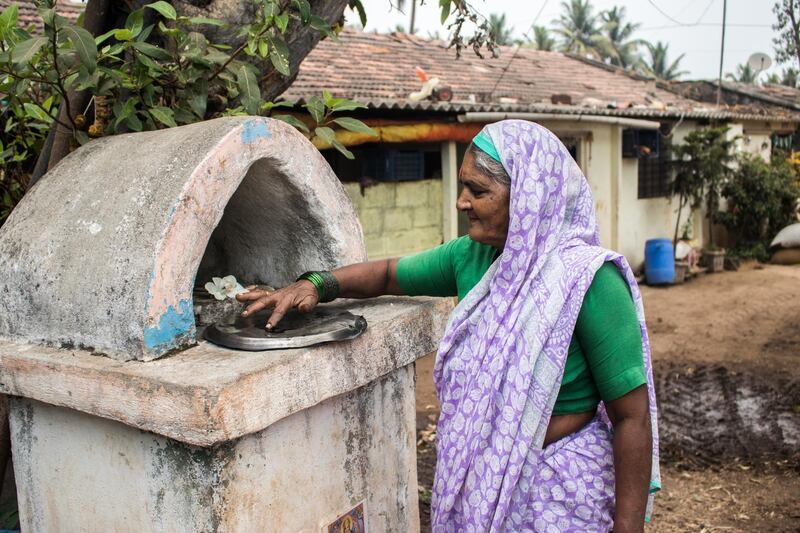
(542, 39)
(744, 74)
(658, 65)
(618, 32)
(579, 28)
(498, 28)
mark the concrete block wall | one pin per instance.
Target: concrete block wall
(399, 218)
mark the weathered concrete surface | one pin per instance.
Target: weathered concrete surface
(77, 472)
(207, 394)
(104, 250)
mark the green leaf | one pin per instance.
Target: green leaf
(145, 33)
(102, 38)
(123, 35)
(149, 63)
(249, 93)
(164, 9)
(8, 19)
(163, 115)
(269, 106)
(81, 137)
(326, 96)
(208, 22)
(293, 121)
(36, 112)
(347, 105)
(282, 21)
(316, 107)
(83, 43)
(344, 151)
(263, 48)
(279, 55)
(271, 10)
(24, 51)
(358, 6)
(320, 25)
(304, 8)
(134, 122)
(151, 50)
(172, 32)
(135, 22)
(445, 5)
(326, 134)
(198, 100)
(352, 124)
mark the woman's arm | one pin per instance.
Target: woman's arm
(361, 280)
(633, 455)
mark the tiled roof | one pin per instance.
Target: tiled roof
(29, 16)
(789, 94)
(379, 70)
(770, 98)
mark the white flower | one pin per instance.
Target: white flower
(226, 287)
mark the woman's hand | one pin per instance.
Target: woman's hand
(301, 295)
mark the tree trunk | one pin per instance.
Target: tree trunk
(97, 20)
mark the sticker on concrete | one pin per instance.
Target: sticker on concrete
(352, 521)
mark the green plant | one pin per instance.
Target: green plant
(761, 199)
(142, 77)
(702, 164)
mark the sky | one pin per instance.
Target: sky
(690, 27)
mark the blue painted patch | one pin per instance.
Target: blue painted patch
(173, 324)
(254, 130)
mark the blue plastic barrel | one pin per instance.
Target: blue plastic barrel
(659, 261)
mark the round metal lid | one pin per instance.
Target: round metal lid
(295, 330)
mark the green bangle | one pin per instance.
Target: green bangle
(325, 282)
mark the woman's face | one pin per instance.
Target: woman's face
(485, 202)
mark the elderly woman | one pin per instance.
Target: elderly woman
(548, 416)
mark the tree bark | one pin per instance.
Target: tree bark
(97, 20)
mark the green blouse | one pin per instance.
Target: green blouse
(605, 356)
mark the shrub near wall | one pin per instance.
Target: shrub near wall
(762, 198)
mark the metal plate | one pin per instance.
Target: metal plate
(295, 330)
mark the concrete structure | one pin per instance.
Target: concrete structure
(126, 222)
(588, 104)
(202, 438)
(399, 218)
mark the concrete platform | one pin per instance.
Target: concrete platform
(212, 439)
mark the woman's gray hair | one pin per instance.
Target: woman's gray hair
(489, 166)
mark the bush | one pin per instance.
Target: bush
(762, 198)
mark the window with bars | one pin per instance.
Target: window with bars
(654, 173)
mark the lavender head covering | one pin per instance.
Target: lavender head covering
(499, 366)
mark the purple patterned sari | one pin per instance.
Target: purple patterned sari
(500, 364)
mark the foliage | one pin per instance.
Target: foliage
(787, 28)
(762, 198)
(157, 76)
(702, 164)
(500, 30)
(542, 40)
(744, 74)
(659, 66)
(622, 45)
(580, 30)
(787, 77)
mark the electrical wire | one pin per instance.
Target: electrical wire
(679, 23)
(505, 69)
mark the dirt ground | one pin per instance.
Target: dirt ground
(726, 352)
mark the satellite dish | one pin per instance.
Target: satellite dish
(759, 62)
